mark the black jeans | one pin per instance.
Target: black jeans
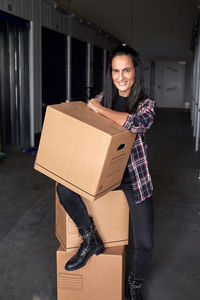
(142, 220)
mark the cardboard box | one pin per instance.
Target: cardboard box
(83, 150)
(101, 278)
(111, 217)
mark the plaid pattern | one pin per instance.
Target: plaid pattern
(139, 122)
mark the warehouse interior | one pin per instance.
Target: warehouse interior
(56, 50)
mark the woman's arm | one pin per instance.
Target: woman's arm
(138, 122)
(115, 116)
(142, 119)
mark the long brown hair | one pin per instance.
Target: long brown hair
(137, 91)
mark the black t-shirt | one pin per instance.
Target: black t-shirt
(120, 104)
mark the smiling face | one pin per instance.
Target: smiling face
(123, 74)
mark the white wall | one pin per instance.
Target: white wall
(169, 84)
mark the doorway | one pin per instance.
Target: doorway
(169, 84)
(79, 67)
(53, 68)
(14, 80)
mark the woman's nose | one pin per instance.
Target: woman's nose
(121, 75)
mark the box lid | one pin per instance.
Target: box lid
(79, 110)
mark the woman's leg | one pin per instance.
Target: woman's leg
(92, 243)
(142, 218)
(74, 206)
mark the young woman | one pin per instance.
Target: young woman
(124, 101)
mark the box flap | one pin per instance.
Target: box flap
(81, 112)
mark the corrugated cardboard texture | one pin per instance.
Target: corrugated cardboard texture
(111, 217)
(101, 278)
(83, 150)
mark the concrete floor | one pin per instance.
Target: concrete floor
(27, 240)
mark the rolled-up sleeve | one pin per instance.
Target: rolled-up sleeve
(142, 119)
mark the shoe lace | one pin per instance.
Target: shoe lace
(135, 287)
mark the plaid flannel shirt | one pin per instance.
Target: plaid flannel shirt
(139, 122)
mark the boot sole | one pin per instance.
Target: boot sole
(98, 251)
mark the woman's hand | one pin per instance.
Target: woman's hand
(95, 105)
(115, 116)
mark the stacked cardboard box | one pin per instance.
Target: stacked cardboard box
(101, 278)
(111, 218)
(88, 154)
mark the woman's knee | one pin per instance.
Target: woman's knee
(62, 189)
(64, 194)
(67, 197)
(146, 245)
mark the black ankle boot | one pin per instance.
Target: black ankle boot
(92, 244)
(134, 289)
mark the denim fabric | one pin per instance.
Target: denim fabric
(142, 221)
(74, 206)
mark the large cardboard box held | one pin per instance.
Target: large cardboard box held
(111, 217)
(101, 278)
(83, 150)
